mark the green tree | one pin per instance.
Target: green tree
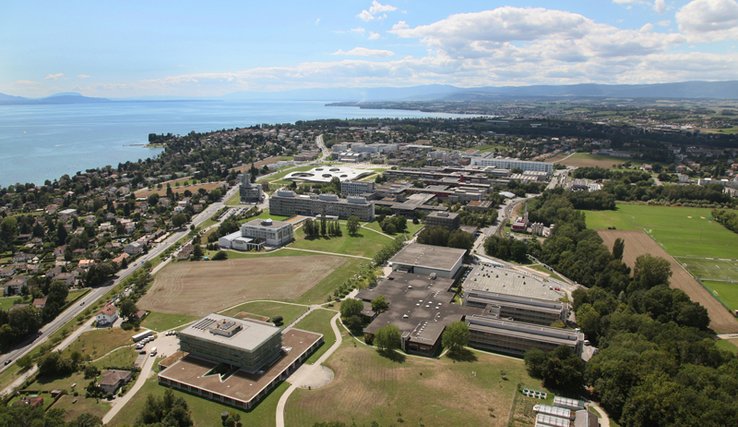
(86, 420)
(351, 307)
(379, 304)
(353, 225)
(388, 338)
(618, 247)
(179, 219)
(220, 256)
(650, 271)
(99, 273)
(127, 308)
(197, 252)
(61, 234)
(455, 337)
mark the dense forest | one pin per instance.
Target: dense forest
(658, 363)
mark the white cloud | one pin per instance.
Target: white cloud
(362, 51)
(373, 36)
(54, 76)
(705, 20)
(376, 11)
(659, 6)
(358, 30)
(83, 76)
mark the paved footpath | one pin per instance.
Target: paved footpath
(283, 399)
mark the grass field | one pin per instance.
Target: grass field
(318, 293)
(365, 243)
(319, 321)
(98, 342)
(587, 159)
(204, 412)
(683, 232)
(704, 247)
(411, 228)
(76, 406)
(184, 185)
(419, 391)
(199, 288)
(120, 358)
(6, 303)
(270, 309)
(161, 322)
(725, 292)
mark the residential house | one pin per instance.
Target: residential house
(112, 379)
(106, 316)
(134, 248)
(15, 285)
(39, 303)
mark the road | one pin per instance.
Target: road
(98, 292)
(325, 152)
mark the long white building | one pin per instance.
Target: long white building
(508, 163)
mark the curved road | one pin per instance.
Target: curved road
(286, 395)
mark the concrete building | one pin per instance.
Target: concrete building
(428, 260)
(273, 233)
(285, 202)
(421, 307)
(239, 243)
(324, 174)
(249, 192)
(508, 163)
(521, 309)
(356, 188)
(247, 344)
(450, 220)
(511, 337)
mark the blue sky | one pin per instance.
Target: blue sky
(188, 48)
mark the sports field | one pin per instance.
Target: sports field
(705, 248)
(199, 288)
(683, 232)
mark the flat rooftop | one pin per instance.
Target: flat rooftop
(327, 173)
(266, 223)
(239, 386)
(429, 256)
(417, 304)
(243, 334)
(522, 330)
(485, 277)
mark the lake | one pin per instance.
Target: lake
(39, 142)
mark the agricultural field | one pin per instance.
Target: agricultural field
(365, 243)
(419, 391)
(638, 243)
(588, 160)
(199, 288)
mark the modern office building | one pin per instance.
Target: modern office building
(508, 163)
(428, 260)
(511, 337)
(250, 192)
(356, 188)
(450, 220)
(247, 344)
(285, 202)
(518, 308)
(273, 233)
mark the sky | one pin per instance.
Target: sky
(123, 49)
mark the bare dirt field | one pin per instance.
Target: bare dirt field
(199, 288)
(146, 192)
(638, 243)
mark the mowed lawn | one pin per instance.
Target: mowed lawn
(319, 321)
(369, 388)
(161, 322)
(681, 231)
(725, 292)
(205, 413)
(365, 243)
(411, 228)
(289, 312)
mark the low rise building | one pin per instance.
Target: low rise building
(112, 379)
(428, 260)
(508, 163)
(249, 192)
(450, 220)
(356, 188)
(106, 316)
(287, 203)
(515, 338)
(273, 233)
(247, 344)
(521, 309)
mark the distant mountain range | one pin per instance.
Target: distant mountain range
(680, 90)
(57, 98)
